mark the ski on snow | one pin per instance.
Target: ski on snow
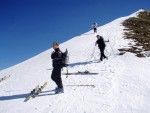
(81, 73)
(35, 92)
(39, 90)
(32, 93)
(4, 78)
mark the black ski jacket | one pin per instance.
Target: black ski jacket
(57, 58)
(101, 43)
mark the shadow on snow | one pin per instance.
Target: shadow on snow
(11, 97)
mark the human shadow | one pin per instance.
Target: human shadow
(75, 64)
(52, 93)
(19, 96)
(49, 92)
(13, 97)
(81, 63)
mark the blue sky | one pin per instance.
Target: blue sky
(28, 27)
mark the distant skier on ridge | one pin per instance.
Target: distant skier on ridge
(101, 44)
(57, 56)
(94, 26)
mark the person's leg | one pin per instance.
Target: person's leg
(94, 30)
(58, 78)
(104, 53)
(101, 56)
(53, 77)
(59, 82)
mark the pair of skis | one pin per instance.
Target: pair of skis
(35, 92)
(86, 72)
(4, 78)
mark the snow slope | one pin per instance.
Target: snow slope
(122, 85)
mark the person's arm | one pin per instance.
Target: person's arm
(96, 25)
(95, 43)
(106, 41)
(52, 55)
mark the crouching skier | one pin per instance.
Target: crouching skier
(57, 63)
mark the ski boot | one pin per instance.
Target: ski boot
(59, 90)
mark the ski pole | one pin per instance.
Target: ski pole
(67, 67)
(111, 48)
(93, 51)
(67, 72)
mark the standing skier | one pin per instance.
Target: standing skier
(101, 45)
(57, 66)
(94, 26)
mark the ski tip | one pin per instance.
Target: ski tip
(45, 83)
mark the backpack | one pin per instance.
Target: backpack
(65, 58)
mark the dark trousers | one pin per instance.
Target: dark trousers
(56, 77)
(102, 53)
(95, 30)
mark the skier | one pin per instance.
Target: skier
(94, 25)
(101, 44)
(57, 66)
